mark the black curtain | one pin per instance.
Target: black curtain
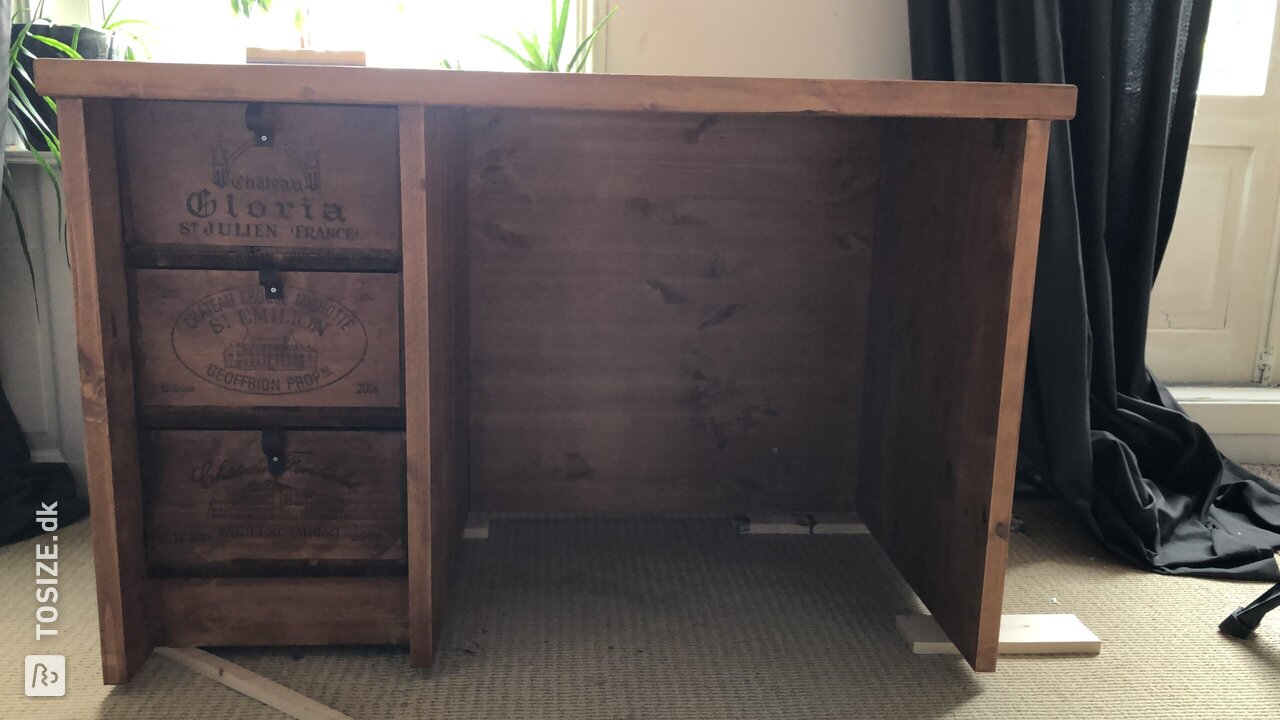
(1097, 427)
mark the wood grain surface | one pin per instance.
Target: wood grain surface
(935, 486)
(279, 611)
(448, 345)
(569, 91)
(192, 174)
(212, 338)
(211, 500)
(417, 387)
(96, 250)
(667, 311)
(436, 381)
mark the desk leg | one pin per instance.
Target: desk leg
(96, 237)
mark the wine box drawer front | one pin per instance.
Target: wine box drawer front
(251, 499)
(230, 338)
(320, 177)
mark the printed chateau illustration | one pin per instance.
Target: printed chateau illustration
(269, 352)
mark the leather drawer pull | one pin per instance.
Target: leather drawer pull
(255, 119)
(273, 449)
(269, 279)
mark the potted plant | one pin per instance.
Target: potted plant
(547, 59)
(31, 121)
(38, 37)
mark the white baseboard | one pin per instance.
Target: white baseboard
(1243, 421)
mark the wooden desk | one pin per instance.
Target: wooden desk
(325, 312)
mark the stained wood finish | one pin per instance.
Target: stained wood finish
(256, 418)
(280, 611)
(619, 293)
(211, 499)
(214, 337)
(436, 396)
(449, 343)
(106, 383)
(195, 173)
(668, 311)
(417, 385)
(954, 264)
(181, 256)
(385, 86)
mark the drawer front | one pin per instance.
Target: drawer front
(194, 174)
(212, 499)
(212, 338)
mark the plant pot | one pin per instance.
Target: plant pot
(91, 44)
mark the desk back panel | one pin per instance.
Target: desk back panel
(667, 310)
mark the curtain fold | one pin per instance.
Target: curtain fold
(1097, 427)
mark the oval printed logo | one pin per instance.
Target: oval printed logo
(238, 340)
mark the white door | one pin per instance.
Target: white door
(1213, 309)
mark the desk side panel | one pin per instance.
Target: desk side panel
(448, 346)
(953, 267)
(87, 129)
(432, 147)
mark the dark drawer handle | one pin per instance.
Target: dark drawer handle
(273, 449)
(269, 279)
(255, 118)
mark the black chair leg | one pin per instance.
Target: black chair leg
(1245, 620)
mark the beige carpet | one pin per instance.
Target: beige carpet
(681, 618)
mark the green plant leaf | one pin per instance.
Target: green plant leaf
(584, 48)
(22, 235)
(531, 47)
(106, 20)
(48, 170)
(127, 22)
(58, 45)
(558, 26)
(511, 51)
(19, 73)
(19, 100)
(245, 7)
(56, 152)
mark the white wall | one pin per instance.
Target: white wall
(864, 39)
(38, 360)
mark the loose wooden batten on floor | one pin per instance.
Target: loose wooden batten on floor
(326, 312)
